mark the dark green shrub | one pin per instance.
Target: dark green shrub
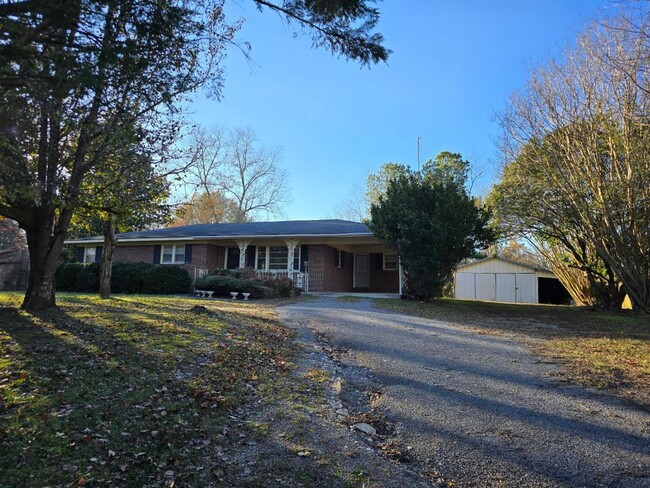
(282, 286)
(128, 277)
(88, 278)
(125, 278)
(223, 272)
(223, 285)
(66, 276)
(160, 279)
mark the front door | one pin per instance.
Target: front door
(362, 271)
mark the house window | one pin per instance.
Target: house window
(391, 262)
(261, 258)
(172, 254)
(90, 253)
(276, 257)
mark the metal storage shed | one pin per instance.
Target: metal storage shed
(502, 280)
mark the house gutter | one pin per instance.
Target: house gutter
(203, 238)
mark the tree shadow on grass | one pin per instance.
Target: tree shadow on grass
(135, 399)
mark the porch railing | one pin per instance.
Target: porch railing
(301, 280)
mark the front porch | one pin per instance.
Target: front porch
(341, 267)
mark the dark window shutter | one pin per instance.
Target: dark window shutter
(156, 255)
(379, 261)
(80, 254)
(342, 259)
(98, 254)
(304, 256)
(188, 253)
(250, 257)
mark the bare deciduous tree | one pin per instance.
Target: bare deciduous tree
(583, 123)
(243, 173)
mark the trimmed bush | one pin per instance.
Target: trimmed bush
(283, 287)
(66, 276)
(165, 280)
(222, 285)
(88, 278)
(131, 278)
(128, 277)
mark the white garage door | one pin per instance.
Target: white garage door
(526, 289)
(506, 287)
(486, 286)
(465, 286)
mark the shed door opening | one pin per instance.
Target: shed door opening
(553, 292)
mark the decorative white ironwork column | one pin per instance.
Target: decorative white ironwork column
(291, 247)
(243, 245)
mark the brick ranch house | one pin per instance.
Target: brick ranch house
(318, 255)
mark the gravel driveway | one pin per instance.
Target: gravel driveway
(482, 410)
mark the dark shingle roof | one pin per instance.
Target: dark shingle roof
(287, 228)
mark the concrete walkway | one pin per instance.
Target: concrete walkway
(482, 410)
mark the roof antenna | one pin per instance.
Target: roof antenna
(419, 146)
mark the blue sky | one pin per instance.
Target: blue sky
(453, 65)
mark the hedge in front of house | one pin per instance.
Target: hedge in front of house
(164, 280)
(222, 285)
(88, 278)
(131, 278)
(66, 276)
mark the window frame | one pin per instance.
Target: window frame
(267, 261)
(174, 248)
(396, 261)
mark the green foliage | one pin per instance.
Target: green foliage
(162, 279)
(377, 184)
(283, 287)
(128, 277)
(344, 28)
(223, 285)
(88, 278)
(154, 279)
(434, 224)
(66, 276)
(448, 167)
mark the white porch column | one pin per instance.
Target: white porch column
(291, 247)
(243, 245)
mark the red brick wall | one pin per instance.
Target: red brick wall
(133, 254)
(382, 281)
(323, 273)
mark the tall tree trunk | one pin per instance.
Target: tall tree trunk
(107, 257)
(44, 252)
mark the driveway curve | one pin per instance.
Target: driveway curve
(483, 410)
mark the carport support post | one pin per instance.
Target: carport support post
(243, 245)
(399, 273)
(291, 248)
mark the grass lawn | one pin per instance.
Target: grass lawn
(129, 391)
(609, 351)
